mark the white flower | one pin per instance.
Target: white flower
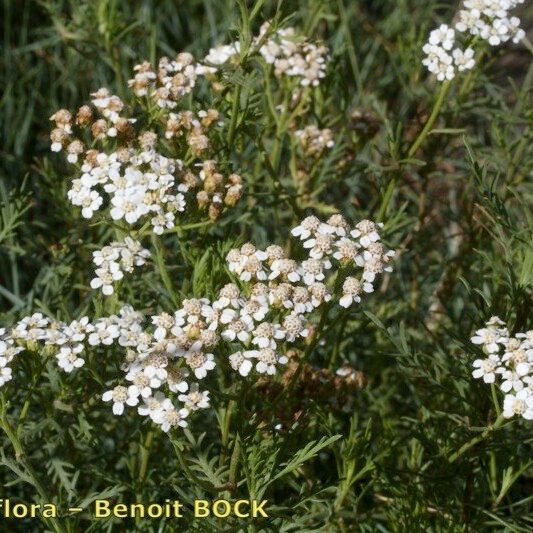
(515, 31)
(307, 227)
(154, 405)
(320, 245)
(105, 278)
(464, 60)
(520, 403)
(511, 380)
(443, 36)
(154, 368)
(200, 363)
(176, 379)
(286, 268)
(195, 399)
(141, 383)
(351, 290)
(241, 362)
(366, 232)
(170, 417)
(495, 33)
(68, 359)
(266, 334)
(313, 270)
(486, 368)
(5, 375)
(90, 203)
(267, 359)
(120, 396)
(162, 221)
(104, 333)
(489, 337)
(469, 21)
(294, 326)
(238, 327)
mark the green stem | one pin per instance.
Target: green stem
(431, 120)
(465, 447)
(163, 272)
(234, 462)
(145, 454)
(234, 115)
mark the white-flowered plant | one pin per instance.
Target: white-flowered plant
(291, 55)
(451, 50)
(508, 362)
(145, 165)
(115, 259)
(275, 302)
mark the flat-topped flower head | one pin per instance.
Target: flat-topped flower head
(486, 19)
(509, 363)
(254, 327)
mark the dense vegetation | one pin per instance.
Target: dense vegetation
(403, 437)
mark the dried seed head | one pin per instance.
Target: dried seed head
(99, 129)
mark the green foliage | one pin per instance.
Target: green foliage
(418, 449)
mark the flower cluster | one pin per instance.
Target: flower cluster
(127, 169)
(510, 359)
(115, 259)
(485, 19)
(290, 54)
(143, 184)
(8, 351)
(314, 140)
(250, 326)
(172, 80)
(293, 56)
(490, 20)
(67, 341)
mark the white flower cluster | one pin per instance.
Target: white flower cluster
(314, 140)
(486, 19)
(144, 185)
(293, 56)
(511, 360)
(130, 175)
(290, 54)
(172, 80)
(8, 351)
(66, 340)
(115, 259)
(220, 55)
(147, 367)
(490, 20)
(251, 327)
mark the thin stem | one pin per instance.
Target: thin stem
(465, 447)
(234, 115)
(431, 120)
(234, 462)
(163, 272)
(145, 453)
